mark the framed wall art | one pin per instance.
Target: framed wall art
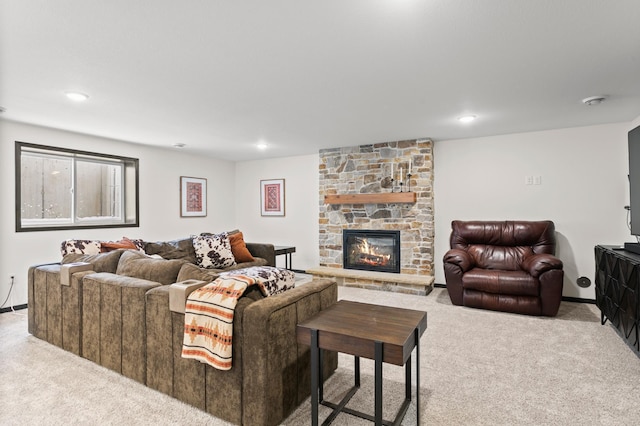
(272, 197)
(193, 196)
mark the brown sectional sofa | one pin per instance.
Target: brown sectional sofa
(118, 315)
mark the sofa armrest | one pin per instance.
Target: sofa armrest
(265, 251)
(178, 293)
(68, 269)
(274, 364)
(538, 264)
(460, 258)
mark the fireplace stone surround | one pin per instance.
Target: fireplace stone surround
(367, 169)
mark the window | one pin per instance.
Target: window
(59, 188)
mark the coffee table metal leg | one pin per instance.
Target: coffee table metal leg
(356, 367)
(314, 377)
(321, 376)
(378, 384)
(416, 334)
(407, 379)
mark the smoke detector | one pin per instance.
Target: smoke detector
(593, 100)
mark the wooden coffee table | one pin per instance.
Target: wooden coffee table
(381, 333)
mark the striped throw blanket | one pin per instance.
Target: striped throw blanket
(208, 327)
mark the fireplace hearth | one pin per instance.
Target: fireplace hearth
(371, 250)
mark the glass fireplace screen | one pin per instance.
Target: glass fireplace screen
(371, 250)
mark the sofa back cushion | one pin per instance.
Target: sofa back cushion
(137, 265)
(503, 244)
(176, 249)
(102, 262)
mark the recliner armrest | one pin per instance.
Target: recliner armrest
(538, 264)
(178, 293)
(460, 258)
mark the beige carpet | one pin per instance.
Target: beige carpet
(477, 368)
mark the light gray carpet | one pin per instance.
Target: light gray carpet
(477, 368)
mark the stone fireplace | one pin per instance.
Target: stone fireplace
(360, 189)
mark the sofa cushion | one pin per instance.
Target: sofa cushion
(189, 271)
(258, 261)
(175, 249)
(80, 247)
(102, 262)
(137, 265)
(213, 251)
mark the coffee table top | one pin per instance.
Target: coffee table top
(354, 327)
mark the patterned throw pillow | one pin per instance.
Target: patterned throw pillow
(80, 247)
(213, 251)
(271, 280)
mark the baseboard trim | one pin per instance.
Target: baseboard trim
(578, 300)
(564, 298)
(14, 308)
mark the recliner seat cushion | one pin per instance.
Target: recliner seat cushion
(516, 283)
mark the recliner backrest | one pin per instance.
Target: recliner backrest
(503, 244)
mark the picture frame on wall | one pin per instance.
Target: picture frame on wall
(272, 197)
(193, 196)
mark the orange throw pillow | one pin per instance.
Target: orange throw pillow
(124, 243)
(239, 248)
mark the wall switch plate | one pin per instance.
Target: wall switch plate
(528, 180)
(537, 180)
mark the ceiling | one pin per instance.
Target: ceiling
(220, 76)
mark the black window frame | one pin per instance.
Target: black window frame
(135, 222)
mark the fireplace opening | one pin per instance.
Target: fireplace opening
(371, 250)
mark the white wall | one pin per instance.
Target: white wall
(299, 226)
(584, 189)
(160, 171)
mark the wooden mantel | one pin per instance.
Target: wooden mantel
(376, 198)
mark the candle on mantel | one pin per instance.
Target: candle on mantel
(410, 164)
(401, 175)
(391, 170)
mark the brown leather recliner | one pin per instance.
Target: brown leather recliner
(505, 266)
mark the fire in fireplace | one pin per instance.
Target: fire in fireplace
(371, 250)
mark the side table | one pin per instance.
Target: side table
(286, 250)
(381, 333)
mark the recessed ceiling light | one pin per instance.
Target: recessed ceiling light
(179, 145)
(467, 118)
(77, 96)
(261, 146)
(594, 100)
(2, 109)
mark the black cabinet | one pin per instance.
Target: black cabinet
(618, 291)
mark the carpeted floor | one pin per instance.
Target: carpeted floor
(477, 368)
